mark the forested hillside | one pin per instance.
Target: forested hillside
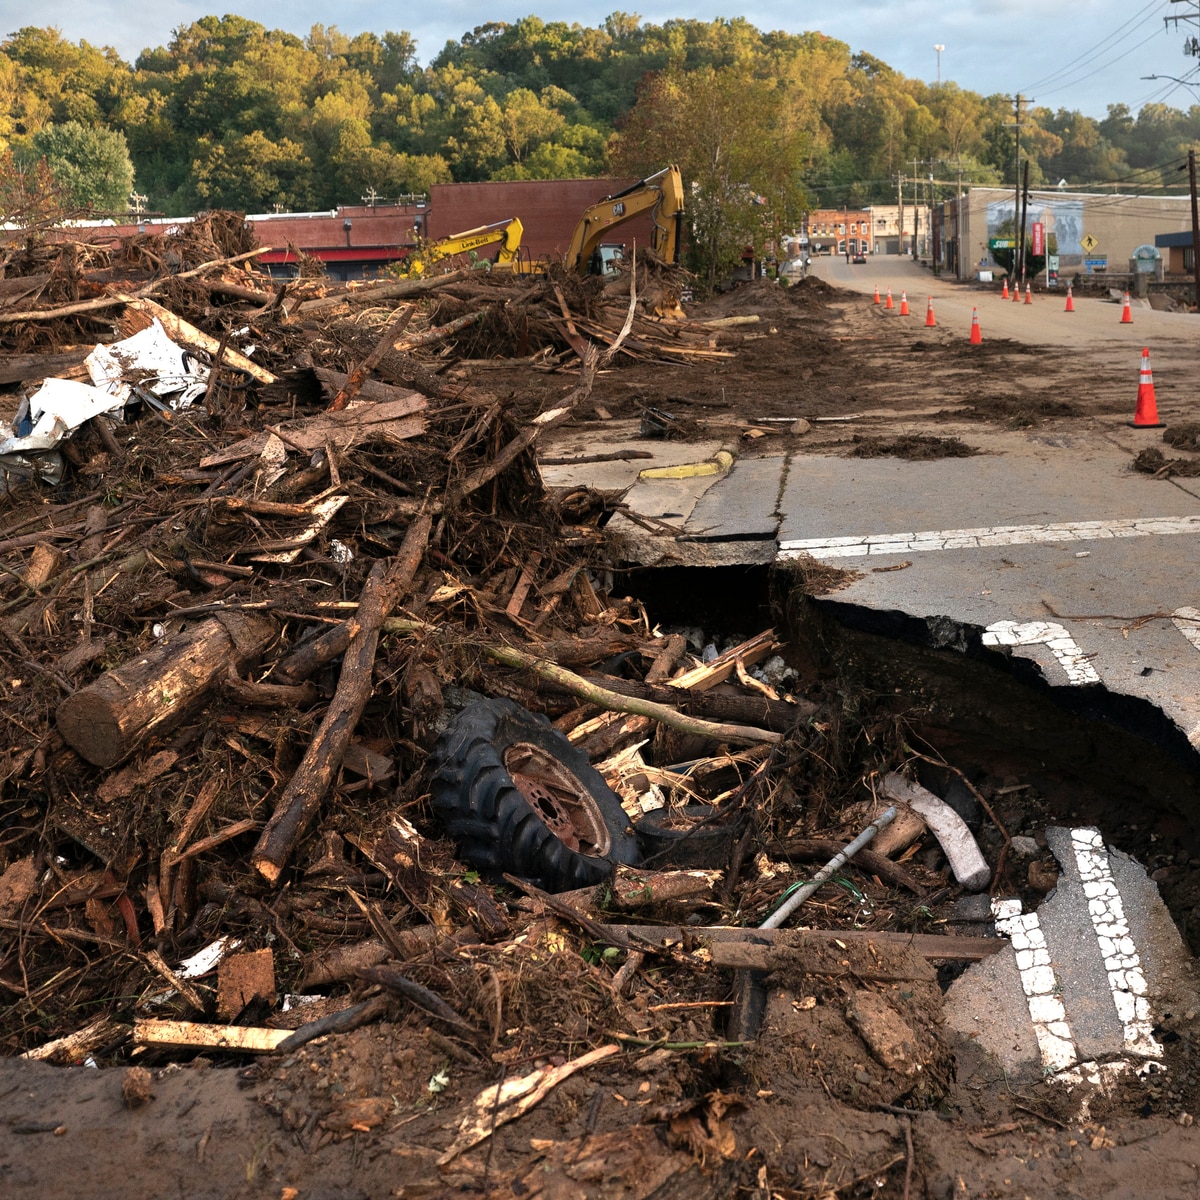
(231, 114)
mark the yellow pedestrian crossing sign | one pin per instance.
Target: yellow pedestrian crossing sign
(1089, 242)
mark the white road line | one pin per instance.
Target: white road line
(1038, 982)
(1045, 633)
(985, 537)
(1126, 978)
(1187, 621)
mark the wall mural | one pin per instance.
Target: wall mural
(1062, 218)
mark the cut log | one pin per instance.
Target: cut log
(154, 691)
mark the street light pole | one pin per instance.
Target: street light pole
(939, 48)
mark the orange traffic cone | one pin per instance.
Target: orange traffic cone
(877, 293)
(1070, 300)
(1029, 293)
(1016, 291)
(1004, 290)
(930, 319)
(1145, 416)
(903, 303)
(889, 303)
(1126, 312)
(976, 332)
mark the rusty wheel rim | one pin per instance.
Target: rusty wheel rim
(560, 800)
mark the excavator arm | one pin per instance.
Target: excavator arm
(506, 233)
(661, 194)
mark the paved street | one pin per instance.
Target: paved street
(1045, 545)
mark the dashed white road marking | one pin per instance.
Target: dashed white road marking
(1044, 993)
(1041, 988)
(1045, 633)
(1126, 979)
(986, 536)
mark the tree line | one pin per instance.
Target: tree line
(764, 125)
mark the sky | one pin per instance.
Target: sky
(1074, 54)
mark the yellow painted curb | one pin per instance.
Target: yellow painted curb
(719, 464)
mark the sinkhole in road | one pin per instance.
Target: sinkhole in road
(891, 684)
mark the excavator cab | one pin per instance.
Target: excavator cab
(660, 194)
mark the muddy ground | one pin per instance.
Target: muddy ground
(679, 1110)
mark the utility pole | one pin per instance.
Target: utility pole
(900, 205)
(1191, 43)
(1195, 224)
(1024, 219)
(1019, 249)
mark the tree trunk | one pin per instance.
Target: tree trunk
(152, 693)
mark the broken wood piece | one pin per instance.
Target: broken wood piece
(935, 947)
(242, 978)
(667, 659)
(271, 695)
(44, 565)
(439, 332)
(779, 715)
(152, 692)
(867, 859)
(306, 790)
(193, 1035)
(524, 583)
(358, 375)
(287, 550)
(632, 889)
(390, 976)
(815, 957)
(605, 698)
(390, 291)
(503, 1102)
(188, 335)
(908, 827)
(708, 675)
(156, 962)
(78, 1045)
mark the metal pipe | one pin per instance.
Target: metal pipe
(838, 861)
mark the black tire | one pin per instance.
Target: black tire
(516, 796)
(686, 837)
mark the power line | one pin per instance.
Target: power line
(1121, 54)
(1099, 47)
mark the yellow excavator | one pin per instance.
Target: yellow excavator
(661, 194)
(507, 234)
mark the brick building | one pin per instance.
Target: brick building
(838, 230)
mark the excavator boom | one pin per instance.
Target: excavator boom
(661, 194)
(507, 233)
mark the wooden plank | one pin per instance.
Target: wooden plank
(246, 1039)
(929, 945)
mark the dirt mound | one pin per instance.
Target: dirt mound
(912, 446)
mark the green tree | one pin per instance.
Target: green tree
(91, 166)
(739, 157)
